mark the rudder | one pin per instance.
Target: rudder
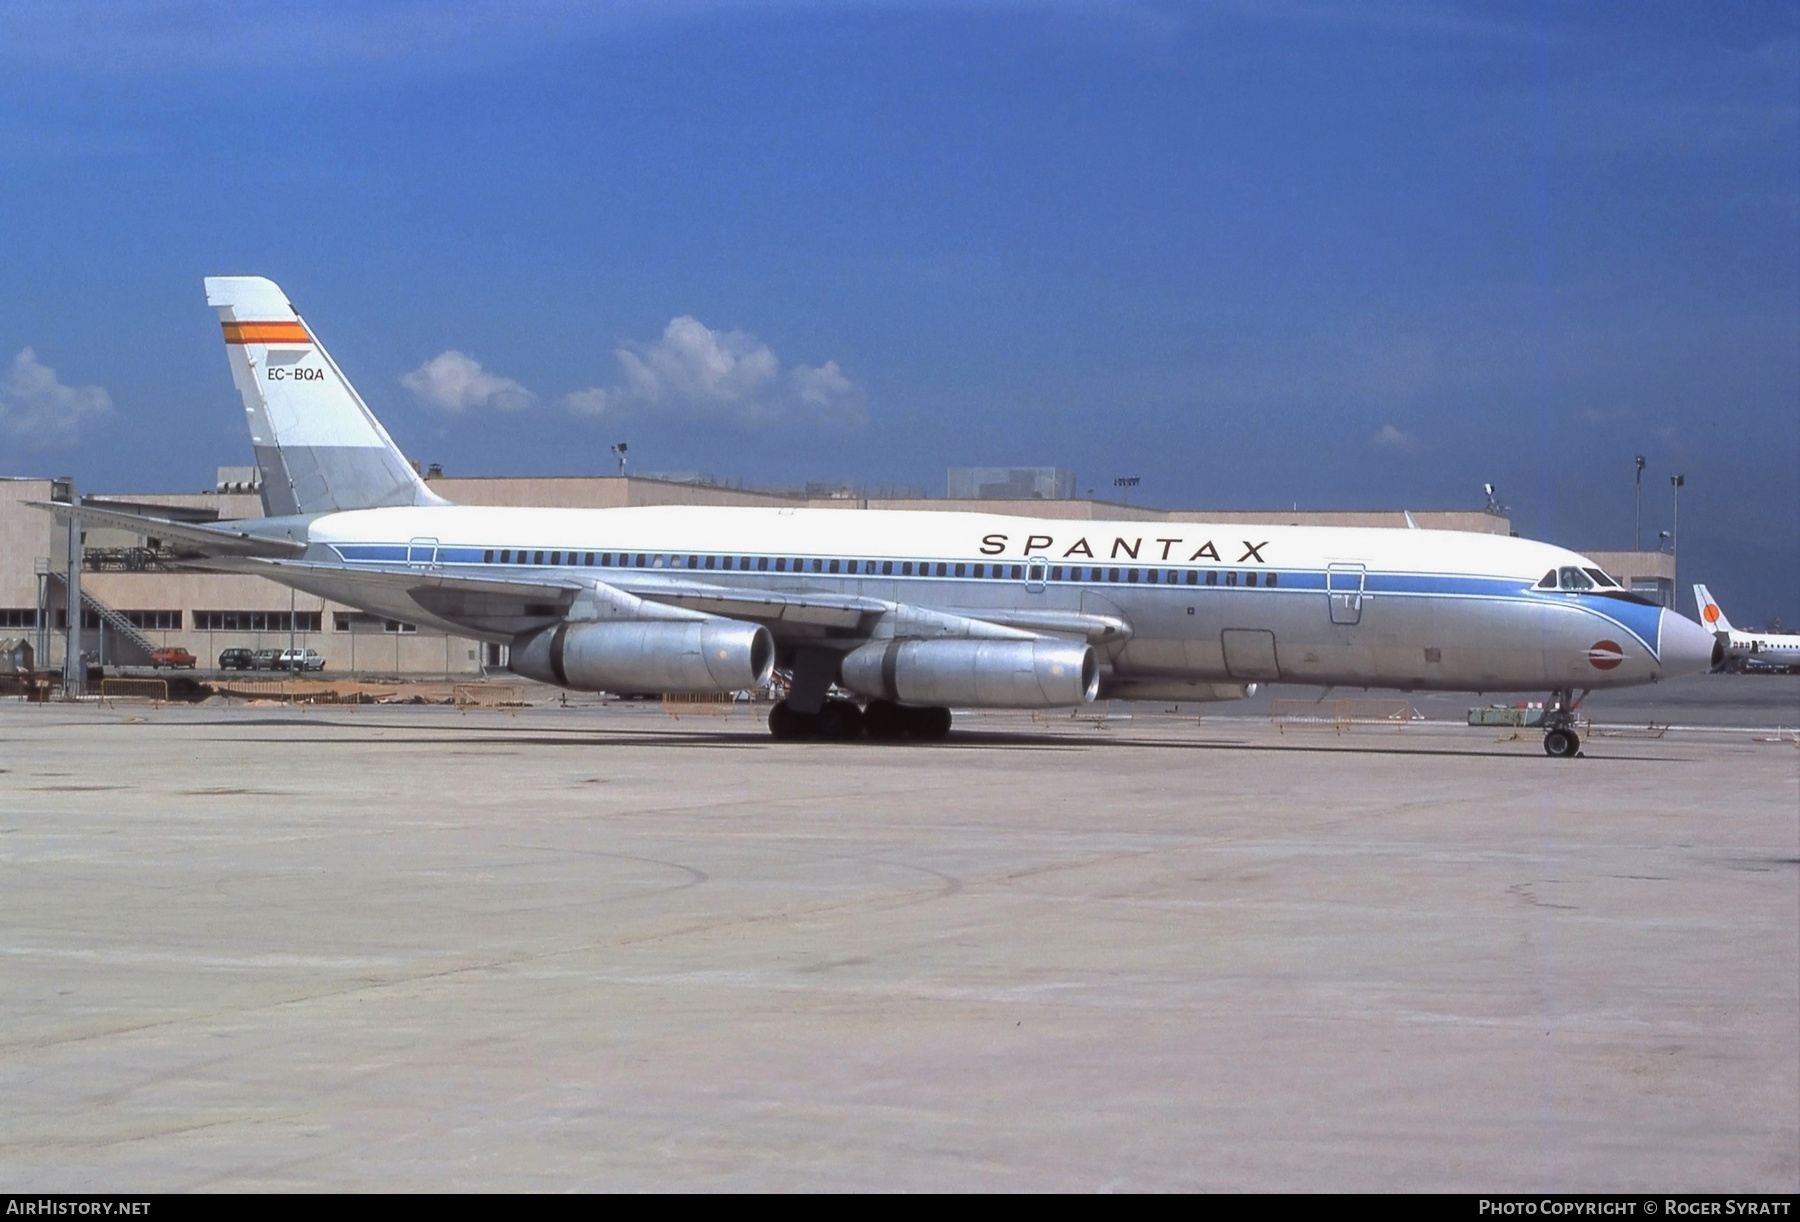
(320, 448)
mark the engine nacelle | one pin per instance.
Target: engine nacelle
(1033, 674)
(710, 655)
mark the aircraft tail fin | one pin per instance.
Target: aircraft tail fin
(320, 447)
(1711, 614)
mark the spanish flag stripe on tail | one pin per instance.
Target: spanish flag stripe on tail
(266, 333)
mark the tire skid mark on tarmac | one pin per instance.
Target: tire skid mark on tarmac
(891, 902)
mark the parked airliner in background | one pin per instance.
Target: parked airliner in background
(914, 613)
(1777, 650)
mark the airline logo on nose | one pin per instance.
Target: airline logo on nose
(1604, 655)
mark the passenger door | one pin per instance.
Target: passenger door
(1344, 592)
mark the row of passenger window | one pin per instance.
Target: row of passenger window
(874, 568)
(1189, 577)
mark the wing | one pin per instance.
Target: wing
(499, 609)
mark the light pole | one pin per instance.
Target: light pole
(1675, 482)
(1637, 528)
(619, 453)
(1127, 482)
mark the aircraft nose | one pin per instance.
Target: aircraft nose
(1687, 648)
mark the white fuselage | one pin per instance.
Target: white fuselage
(1204, 602)
(1767, 648)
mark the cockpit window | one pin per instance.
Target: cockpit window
(1572, 578)
(1548, 582)
(1600, 578)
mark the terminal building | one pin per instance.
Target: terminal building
(134, 601)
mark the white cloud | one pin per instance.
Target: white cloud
(1387, 437)
(726, 376)
(693, 362)
(590, 402)
(455, 382)
(40, 412)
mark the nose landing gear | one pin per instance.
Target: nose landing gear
(1561, 744)
(1560, 739)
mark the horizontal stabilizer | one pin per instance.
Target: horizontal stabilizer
(208, 540)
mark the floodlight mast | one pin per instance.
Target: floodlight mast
(1676, 482)
(1637, 528)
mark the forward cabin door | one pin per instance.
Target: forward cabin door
(1344, 592)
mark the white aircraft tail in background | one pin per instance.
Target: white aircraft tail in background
(1711, 614)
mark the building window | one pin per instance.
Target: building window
(258, 621)
(18, 617)
(394, 625)
(155, 621)
(340, 621)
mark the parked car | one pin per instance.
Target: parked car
(172, 656)
(300, 659)
(264, 659)
(237, 659)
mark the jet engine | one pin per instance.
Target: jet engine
(1030, 674)
(707, 655)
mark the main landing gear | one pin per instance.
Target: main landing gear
(1560, 739)
(843, 721)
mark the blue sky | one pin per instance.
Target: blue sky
(1342, 255)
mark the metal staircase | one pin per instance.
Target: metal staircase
(122, 628)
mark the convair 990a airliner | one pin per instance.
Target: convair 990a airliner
(915, 613)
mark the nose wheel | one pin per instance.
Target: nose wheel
(1561, 744)
(1560, 739)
